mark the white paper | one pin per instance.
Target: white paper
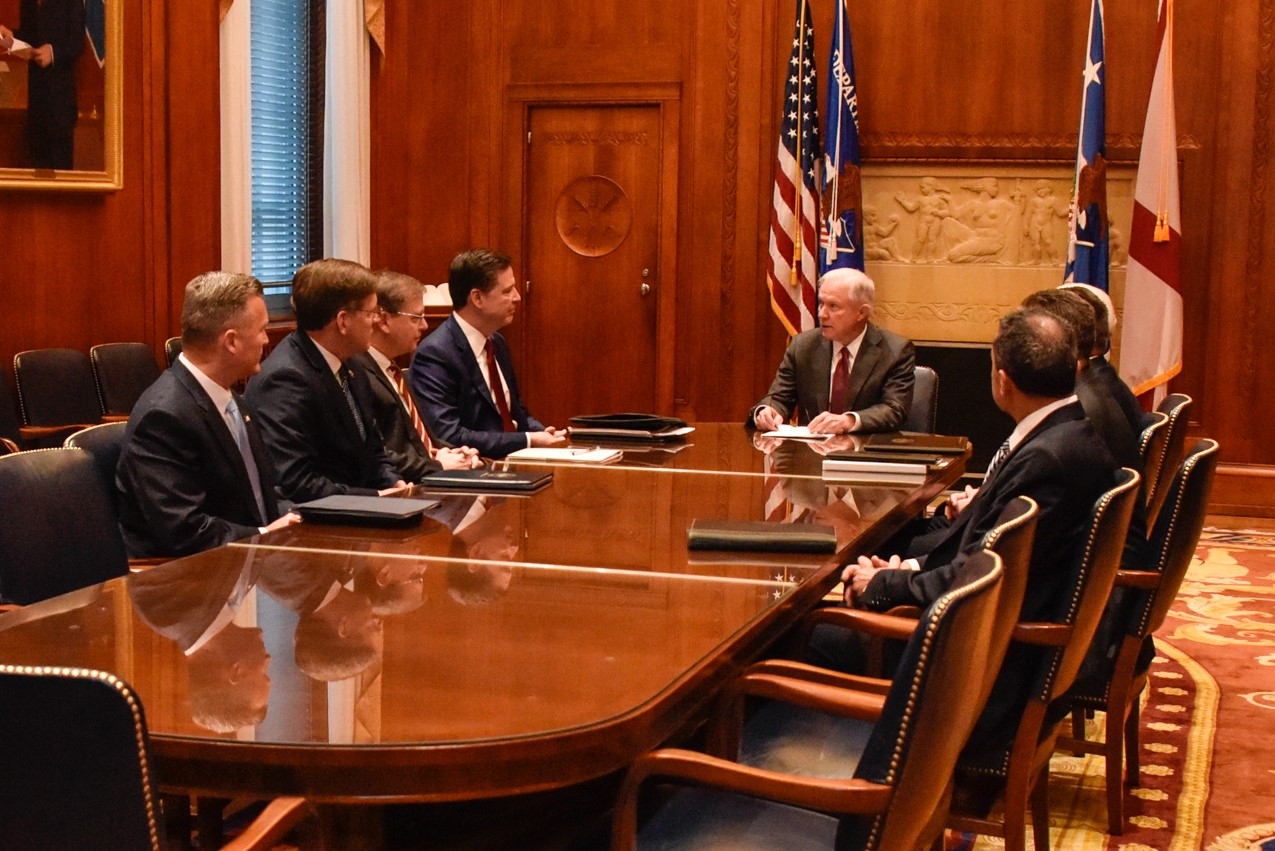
(20, 49)
(566, 455)
(792, 432)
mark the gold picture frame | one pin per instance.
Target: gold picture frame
(98, 140)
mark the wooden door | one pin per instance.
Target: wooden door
(592, 238)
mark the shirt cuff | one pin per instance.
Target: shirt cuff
(910, 564)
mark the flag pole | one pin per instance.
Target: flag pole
(1161, 233)
(797, 178)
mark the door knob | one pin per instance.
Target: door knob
(645, 289)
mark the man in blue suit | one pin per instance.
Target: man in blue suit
(184, 482)
(462, 374)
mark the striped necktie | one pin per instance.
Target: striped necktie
(410, 404)
(996, 460)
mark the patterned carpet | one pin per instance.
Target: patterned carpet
(1208, 724)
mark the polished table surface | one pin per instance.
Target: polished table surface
(503, 645)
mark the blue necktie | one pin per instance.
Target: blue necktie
(240, 433)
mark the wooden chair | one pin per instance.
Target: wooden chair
(925, 401)
(172, 348)
(122, 372)
(1116, 690)
(898, 786)
(58, 529)
(77, 771)
(56, 394)
(1177, 407)
(1020, 765)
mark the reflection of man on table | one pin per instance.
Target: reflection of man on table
(55, 31)
(847, 375)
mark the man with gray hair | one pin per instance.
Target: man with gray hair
(194, 473)
(848, 374)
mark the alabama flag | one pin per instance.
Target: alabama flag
(1151, 347)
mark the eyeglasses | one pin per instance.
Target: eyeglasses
(375, 312)
(419, 317)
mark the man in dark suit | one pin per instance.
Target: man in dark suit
(462, 374)
(1104, 374)
(847, 375)
(315, 412)
(55, 31)
(1053, 456)
(185, 484)
(394, 412)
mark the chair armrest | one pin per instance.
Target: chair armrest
(8, 447)
(274, 822)
(35, 433)
(814, 674)
(1042, 634)
(822, 697)
(841, 795)
(872, 623)
(1144, 580)
(114, 418)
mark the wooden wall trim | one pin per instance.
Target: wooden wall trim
(730, 154)
(1244, 490)
(1256, 243)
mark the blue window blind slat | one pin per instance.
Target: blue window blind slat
(280, 131)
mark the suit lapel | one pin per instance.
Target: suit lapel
(467, 357)
(336, 397)
(864, 364)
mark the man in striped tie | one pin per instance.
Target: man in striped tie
(410, 447)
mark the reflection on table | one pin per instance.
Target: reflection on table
(503, 645)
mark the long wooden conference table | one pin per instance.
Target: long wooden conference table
(504, 645)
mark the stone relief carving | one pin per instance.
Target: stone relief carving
(593, 215)
(953, 247)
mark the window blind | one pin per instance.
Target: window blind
(281, 141)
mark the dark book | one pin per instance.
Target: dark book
(487, 481)
(760, 536)
(916, 442)
(353, 510)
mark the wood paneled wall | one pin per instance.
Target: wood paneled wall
(980, 81)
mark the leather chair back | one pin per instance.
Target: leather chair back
(105, 443)
(58, 529)
(929, 711)
(172, 348)
(1011, 538)
(1177, 406)
(76, 771)
(55, 387)
(1152, 440)
(10, 432)
(925, 401)
(1177, 529)
(122, 372)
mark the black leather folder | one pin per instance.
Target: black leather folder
(487, 481)
(353, 510)
(760, 536)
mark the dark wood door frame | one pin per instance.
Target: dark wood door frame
(520, 99)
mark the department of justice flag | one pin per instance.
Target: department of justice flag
(841, 238)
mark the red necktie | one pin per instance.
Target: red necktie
(410, 404)
(840, 397)
(498, 388)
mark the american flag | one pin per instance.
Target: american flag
(1087, 244)
(795, 212)
(1151, 345)
(841, 239)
